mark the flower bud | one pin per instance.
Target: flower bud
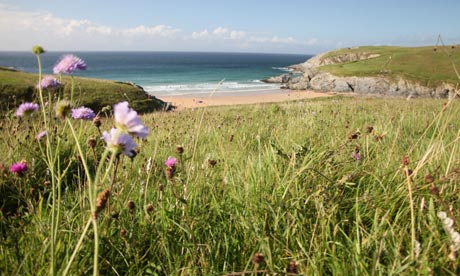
(37, 49)
(92, 143)
(97, 122)
(131, 206)
(63, 109)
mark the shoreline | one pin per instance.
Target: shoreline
(218, 99)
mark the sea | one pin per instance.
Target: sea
(172, 73)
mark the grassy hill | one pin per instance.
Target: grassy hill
(317, 184)
(429, 66)
(17, 87)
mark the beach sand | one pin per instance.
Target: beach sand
(217, 99)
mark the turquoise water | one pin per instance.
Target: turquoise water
(172, 73)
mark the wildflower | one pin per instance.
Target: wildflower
(356, 156)
(83, 113)
(19, 168)
(170, 167)
(171, 162)
(119, 142)
(63, 109)
(40, 135)
(68, 64)
(448, 225)
(37, 49)
(26, 109)
(48, 82)
(127, 120)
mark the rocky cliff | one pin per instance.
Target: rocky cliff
(313, 78)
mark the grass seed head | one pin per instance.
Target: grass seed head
(101, 200)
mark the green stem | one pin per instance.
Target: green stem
(77, 248)
(49, 158)
(412, 213)
(71, 88)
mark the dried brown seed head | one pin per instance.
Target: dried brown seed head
(258, 258)
(292, 268)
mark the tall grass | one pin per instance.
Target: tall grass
(343, 186)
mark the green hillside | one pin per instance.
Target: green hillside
(429, 65)
(17, 87)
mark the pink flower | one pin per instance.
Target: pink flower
(171, 162)
(356, 156)
(83, 113)
(48, 82)
(126, 119)
(18, 168)
(40, 135)
(68, 64)
(119, 142)
(26, 109)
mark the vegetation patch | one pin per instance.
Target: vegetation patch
(429, 66)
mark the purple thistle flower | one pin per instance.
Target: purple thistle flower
(68, 64)
(171, 162)
(40, 135)
(127, 120)
(83, 113)
(18, 168)
(119, 142)
(26, 109)
(48, 82)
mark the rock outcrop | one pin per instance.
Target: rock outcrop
(314, 79)
(285, 78)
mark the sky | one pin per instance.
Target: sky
(268, 26)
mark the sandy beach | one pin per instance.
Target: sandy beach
(218, 99)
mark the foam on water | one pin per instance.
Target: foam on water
(183, 89)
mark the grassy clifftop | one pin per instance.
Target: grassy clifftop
(17, 87)
(429, 66)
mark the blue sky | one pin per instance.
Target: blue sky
(293, 26)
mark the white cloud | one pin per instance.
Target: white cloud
(21, 29)
(220, 31)
(162, 30)
(202, 34)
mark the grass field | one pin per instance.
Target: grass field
(429, 66)
(321, 183)
(17, 87)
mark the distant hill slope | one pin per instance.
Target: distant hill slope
(397, 71)
(17, 87)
